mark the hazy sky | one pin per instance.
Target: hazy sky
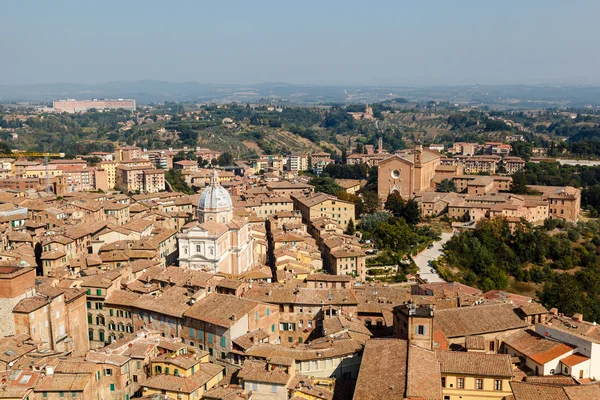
(415, 42)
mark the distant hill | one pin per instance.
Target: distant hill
(149, 91)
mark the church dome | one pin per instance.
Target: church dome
(215, 197)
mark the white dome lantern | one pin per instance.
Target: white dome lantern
(215, 202)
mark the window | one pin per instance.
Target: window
(210, 338)
(108, 372)
(99, 292)
(138, 364)
(112, 387)
(89, 304)
(61, 394)
(200, 335)
(44, 394)
(272, 327)
(460, 383)
(497, 384)
(167, 370)
(210, 351)
(89, 318)
(273, 389)
(479, 384)
(191, 332)
(310, 323)
(158, 369)
(222, 355)
(268, 311)
(290, 339)
(443, 382)
(421, 330)
(256, 315)
(492, 345)
(73, 394)
(90, 334)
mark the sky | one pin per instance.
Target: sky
(326, 42)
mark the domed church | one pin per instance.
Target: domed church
(216, 242)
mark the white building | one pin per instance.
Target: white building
(217, 242)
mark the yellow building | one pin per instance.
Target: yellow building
(474, 375)
(111, 172)
(324, 205)
(182, 377)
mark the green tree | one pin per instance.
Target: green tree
(350, 229)
(519, 183)
(409, 210)
(325, 184)
(446, 186)
(225, 159)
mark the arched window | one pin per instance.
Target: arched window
(121, 327)
(111, 325)
(100, 319)
(368, 323)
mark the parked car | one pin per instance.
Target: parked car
(430, 246)
(432, 271)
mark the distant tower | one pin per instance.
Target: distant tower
(380, 145)
(418, 154)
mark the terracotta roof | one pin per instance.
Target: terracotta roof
(319, 349)
(574, 359)
(475, 343)
(376, 380)
(481, 364)
(424, 380)
(533, 309)
(62, 383)
(173, 302)
(478, 320)
(188, 384)
(537, 347)
(257, 371)
(222, 310)
(534, 391)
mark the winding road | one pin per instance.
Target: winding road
(422, 259)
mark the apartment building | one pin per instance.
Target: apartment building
(324, 205)
(297, 162)
(140, 179)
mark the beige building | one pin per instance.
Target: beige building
(406, 173)
(140, 179)
(324, 205)
(127, 153)
(297, 162)
(564, 202)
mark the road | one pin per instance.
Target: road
(423, 258)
